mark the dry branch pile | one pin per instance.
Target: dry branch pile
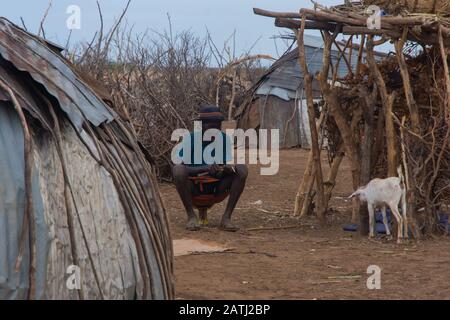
(384, 114)
(159, 80)
(412, 6)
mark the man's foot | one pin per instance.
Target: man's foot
(226, 225)
(192, 225)
(203, 222)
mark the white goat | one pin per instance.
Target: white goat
(386, 192)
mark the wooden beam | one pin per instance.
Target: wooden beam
(368, 102)
(410, 101)
(320, 209)
(296, 24)
(365, 30)
(360, 55)
(306, 186)
(387, 101)
(332, 174)
(446, 72)
(399, 20)
(328, 16)
(273, 14)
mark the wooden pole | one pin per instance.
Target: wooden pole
(334, 169)
(368, 107)
(446, 72)
(415, 122)
(296, 24)
(410, 101)
(320, 209)
(387, 101)
(310, 192)
(304, 187)
(307, 183)
(233, 96)
(360, 55)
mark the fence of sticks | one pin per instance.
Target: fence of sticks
(385, 113)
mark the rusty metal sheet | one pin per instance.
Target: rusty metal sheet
(22, 93)
(29, 54)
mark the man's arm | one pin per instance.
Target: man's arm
(211, 169)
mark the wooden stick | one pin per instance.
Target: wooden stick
(309, 191)
(365, 30)
(446, 72)
(296, 24)
(328, 16)
(342, 56)
(273, 14)
(312, 123)
(132, 221)
(41, 25)
(387, 101)
(410, 101)
(68, 201)
(273, 228)
(324, 15)
(405, 163)
(233, 96)
(306, 185)
(368, 102)
(334, 170)
(360, 55)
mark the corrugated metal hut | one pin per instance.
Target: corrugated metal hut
(79, 203)
(277, 99)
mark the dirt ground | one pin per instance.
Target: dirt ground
(305, 262)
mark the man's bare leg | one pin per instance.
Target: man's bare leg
(236, 184)
(184, 187)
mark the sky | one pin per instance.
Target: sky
(220, 17)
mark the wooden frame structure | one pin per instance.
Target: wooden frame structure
(366, 108)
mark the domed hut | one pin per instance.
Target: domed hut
(80, 212)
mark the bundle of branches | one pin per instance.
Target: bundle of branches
(351, 19)
(412, 6)
(426, 150)
(384, 113)
(158, 80)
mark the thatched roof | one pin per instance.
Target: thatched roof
(77, 188)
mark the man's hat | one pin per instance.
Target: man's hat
(210, 113)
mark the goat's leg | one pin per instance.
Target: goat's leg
(371, 220)
(385, 221)
(399, 219)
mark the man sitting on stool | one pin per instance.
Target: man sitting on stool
(202, 185)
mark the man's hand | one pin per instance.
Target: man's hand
(229, 169)
(214, 169)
